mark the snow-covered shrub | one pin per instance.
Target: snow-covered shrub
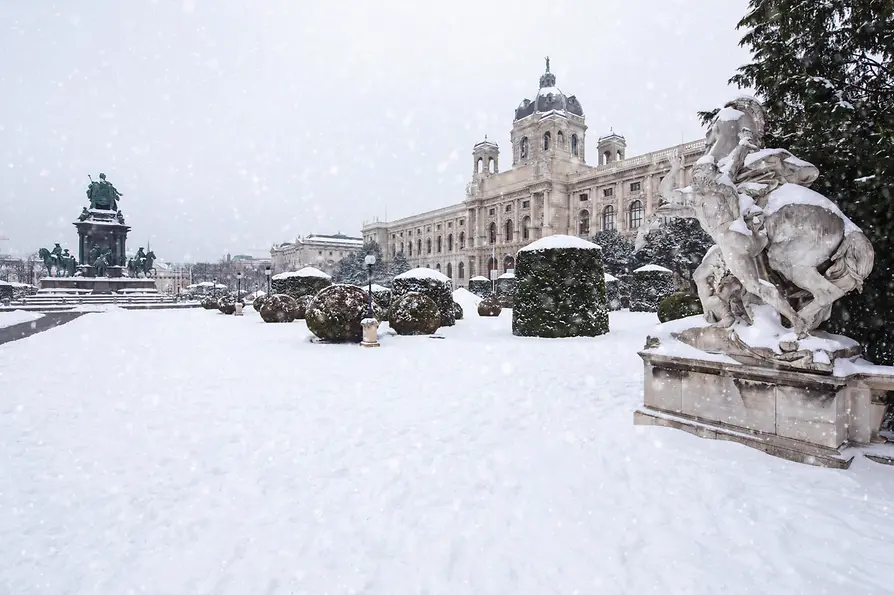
(381, 295)
(259, 301)
(481, 286)
(679, 305)
(307, 281)
(301, 306)
(414, 313)
(561, 289)
(5, 291)
(457, 311)
(506, 284)
(227, 304)
(649, 285)
(335, 313)
(279, 308)
(613, 292)
(209, 303)
(490, 306)
(431, 283)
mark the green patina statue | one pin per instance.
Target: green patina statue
(59, 262)
(84, 214)
(103, 195)
(101, 264)
(141, 264)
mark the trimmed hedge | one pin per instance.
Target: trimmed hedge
(561, 290)
(301, 306)
(480, 287)
(227, 304)
(307, 281)
(414, 313)
(335, 313)
(457, 311)
(679, 305)
(648, 286)
(259, 301)
(279, 308)
(434, 285)
(613, 293)
(506, 287)
(209, 303)
(490, 306)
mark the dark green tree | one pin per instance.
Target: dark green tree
(352, 269)
(678, 245)
(617, 251)
(825, 74)
(399, 264)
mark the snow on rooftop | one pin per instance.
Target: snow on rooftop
(560, 241)
(652, 267)
(423, 273)
(305, 272)
(549, 90)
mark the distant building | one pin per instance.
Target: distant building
(316, 250)
(170, 278)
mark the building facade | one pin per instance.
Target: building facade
(548, 190)
(316, 250)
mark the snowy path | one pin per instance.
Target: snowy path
(230, 456)
(13, 317)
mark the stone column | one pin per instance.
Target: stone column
(547, 214)
(621, 220)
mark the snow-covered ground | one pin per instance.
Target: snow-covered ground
(224, 455)
(13, 317)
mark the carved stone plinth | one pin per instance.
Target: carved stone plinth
(96, 285)
(102, 229)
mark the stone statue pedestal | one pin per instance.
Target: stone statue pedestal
(809, 415)
(102, 229)
(96, 285)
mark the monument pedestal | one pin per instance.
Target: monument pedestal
(96, 285)
(809, 416)
(102, 229)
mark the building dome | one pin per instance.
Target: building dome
(549, 98)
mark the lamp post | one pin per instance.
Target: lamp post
(267, 272)
(239, 304)
(370, 324)
(214, 288)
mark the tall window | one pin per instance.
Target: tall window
(480, 165)
(574, 149)
(419, 247)
(508, 264)
(507, 235)
(492, 233)
(583, 223)
(439, 244)
(523, 149)
(636, 214)
(401, 247)
(462, 240)
(428, 246)
(450, 242)
(526, 228)
(608, 218)
(560, 140)
(546, 139)
(438, 267)
(461, 270)
(410, 249)
(450, 270)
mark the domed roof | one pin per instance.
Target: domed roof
(549, 98)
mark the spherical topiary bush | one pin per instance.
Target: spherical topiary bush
(561, 289)
(301, 306)
(414, 313)
(506, 284)
(431, 283)
(457, 311)
(307, 281)
(226, 304)
(481, 286)
(679, 305)
(259, 301)
(209, 303)
(613, 292)
(490, 306)
(648, 286)
(279, 308)
(335, 313)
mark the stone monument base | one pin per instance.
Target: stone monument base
(96, 285)
(810, 416)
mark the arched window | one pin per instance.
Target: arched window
(608, 218)
(419, 247)
(636, 214)
(461, 270)
(462, 240)
(450, 270)
(410, 249)
(507, 231)
(428, 246)
(583, 223)
(606, 156)
(560, 140)
(508, 264)
(491, 266)
(546, 138)
(492, 233)
(574, 149)
(450, 242)
(480, 165)
(620, 156)
(526, 228)
(523, 148)
(439, 244)
(438, 267)
(491, 165)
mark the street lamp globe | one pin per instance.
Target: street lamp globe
(370, 260)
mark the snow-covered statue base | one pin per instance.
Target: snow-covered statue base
(755, 369)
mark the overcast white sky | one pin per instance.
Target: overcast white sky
(232, 124)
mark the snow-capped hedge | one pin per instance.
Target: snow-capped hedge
(613, 292)
(335, 313)
(649, 285)
(481, 286)
(209, 303)
(307, 281)
(227, 304)
(561, 289)
(679, 305)
(414, 313)
(506, 285)
(381, 295)
(431, 283)
(279, 308)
